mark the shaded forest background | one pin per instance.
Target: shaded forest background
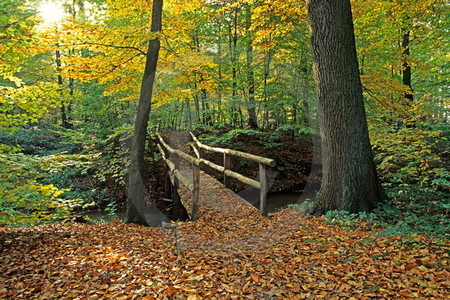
(231, 71)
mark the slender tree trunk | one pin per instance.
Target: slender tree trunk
(267, 61)
(220, 81)
(136, 188)
(197, 106)
(207, 118)
(233, 57)
(349, 178)
(64, 118)
(407, 72)
(252, 118)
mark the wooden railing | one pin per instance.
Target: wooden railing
(263, 162)
(175, 175)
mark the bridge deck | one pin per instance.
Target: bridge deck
(214, 197)
(227, 224)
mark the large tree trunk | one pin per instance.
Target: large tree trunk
(136, 188)
(349, 178)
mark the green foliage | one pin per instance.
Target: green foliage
(35, 141)
(342, 218)
(114, 159)
(411, 156)
(412, 210)
(16, 29)
(75, 174)
(233, 135)
(297, 129)
(27, 104)
(23, 199)
(98, 114)
(234, 138)
(303, 208)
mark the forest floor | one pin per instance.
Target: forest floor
(285, 256)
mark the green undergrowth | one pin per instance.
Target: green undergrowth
(411, 210)
(40, 142)
(24, 198)
(237, 138)
(47, 175)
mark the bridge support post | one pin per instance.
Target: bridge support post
(196, 190)
(227, 166)
(263, 181)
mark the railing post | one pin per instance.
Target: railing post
(263, 189)
(227, 166)
(178, 206)
(196, 150)
(196, 191)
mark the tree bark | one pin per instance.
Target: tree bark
(251, 108)
(64, 118)
(406, 67)
(232, 43)
(136, 188)
(349, 177)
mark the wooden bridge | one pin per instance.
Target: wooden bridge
(188, 186)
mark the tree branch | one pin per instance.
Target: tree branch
(112, 46)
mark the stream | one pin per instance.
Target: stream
(277, 201)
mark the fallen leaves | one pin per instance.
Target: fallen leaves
(285, 257)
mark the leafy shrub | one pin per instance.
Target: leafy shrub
(114, 159)
(297, 129)
(23, 199)
(230, 136)
(39, 141)
(75, 173)
(411, 156)
(408, 212)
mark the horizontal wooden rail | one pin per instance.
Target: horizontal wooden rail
(263, 162)
(213, 165)
(243, 179)
(180, 153)
(259, 159)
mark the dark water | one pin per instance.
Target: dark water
(276, 201)
(103, 217)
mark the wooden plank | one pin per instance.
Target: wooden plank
(177, 201)
(183, 180)
(181, 154)
(169, 163)
(176, 176)
(226, 167)
(213, 165)
(259, 159)
(186, 207)
(196, 151)
(243, 178)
